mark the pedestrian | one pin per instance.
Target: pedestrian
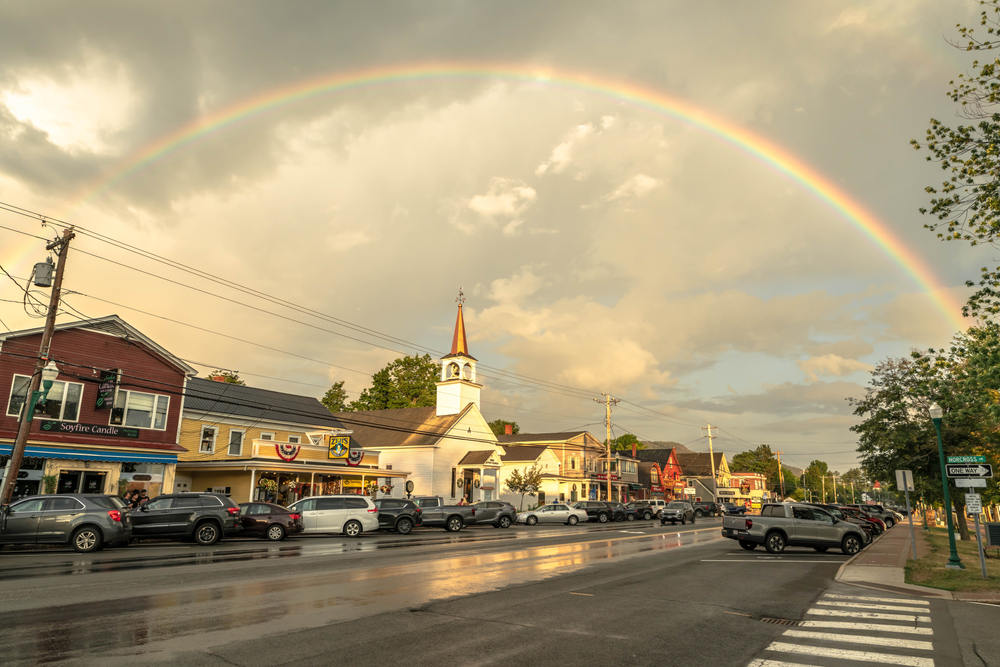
(462, 501)
(143, 498)
(132, 500)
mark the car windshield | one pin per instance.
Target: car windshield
(679, 506)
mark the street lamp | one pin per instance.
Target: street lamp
(954, 562)
(49, 374)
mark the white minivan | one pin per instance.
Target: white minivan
(346, 514)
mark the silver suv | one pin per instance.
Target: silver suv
(84, 521)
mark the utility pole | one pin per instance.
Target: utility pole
(822, 478)
(711, 459)
(14, 465)
(834, 488)
(781, 475)
(608, 402)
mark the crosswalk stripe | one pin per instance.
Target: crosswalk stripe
(868, 599)
(868, 627)
(862, 605)
(844, 654)
(762, 662)
(869, 614)
(861, 639)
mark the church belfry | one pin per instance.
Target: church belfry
(457, 387)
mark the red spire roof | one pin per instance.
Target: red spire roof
(459, 344)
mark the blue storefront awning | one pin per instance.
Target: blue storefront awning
(91, 455)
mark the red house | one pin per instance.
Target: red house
(112, 418)
(661, 471)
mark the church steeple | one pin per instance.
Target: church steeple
(457, 387)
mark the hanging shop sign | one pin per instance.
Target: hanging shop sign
(726, 492)
(105, 430)
(287, 451)
(340, 446)
(106, 389)
(354, 454)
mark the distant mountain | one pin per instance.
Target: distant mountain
(795, 471)
(666, 444)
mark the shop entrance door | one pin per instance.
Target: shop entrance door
(93, 482)
(69, 482)
(467, 491)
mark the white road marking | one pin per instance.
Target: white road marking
(843, 654)
(632, 532)
(862, 605)
(867, 627)
(876, 642)
(760, 662)
(867, 599)
(744, 560)
(865, 614)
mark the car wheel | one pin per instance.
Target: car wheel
(630, 517)
(352, 529)
(602, 518)
(454, 524)
(504, 522)
(699, 513)
(889, 523)
(647, 516)
(822, 550)
(404, 526)
(572, 521)
(851, 545)
(207, 534)
(275, 533)
(684, 521)
(749, 546)
(86, 539)
(531, 520)
(775, 543)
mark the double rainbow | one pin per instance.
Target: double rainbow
(772, 155)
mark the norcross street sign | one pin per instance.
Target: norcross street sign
(969, 470)
(966, 459)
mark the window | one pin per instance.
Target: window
(208, 501)
(294, 439)
(802, 513)
(267, 436)
(187, 501)
(236, 441)
(140, 410)
(207, 445)
(159, 504)
(63, 504)
(108, 502)
(821, 516)
(27, 506)
(260, 509)
(572, 464)
(355, 503)
(305, 506)
(330, 503)
(62, 403)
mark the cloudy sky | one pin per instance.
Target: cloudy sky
(607, 241)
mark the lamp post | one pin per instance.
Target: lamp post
(49, 373)
(954, 562)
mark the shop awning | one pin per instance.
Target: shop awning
(91, 455)
(636, 487)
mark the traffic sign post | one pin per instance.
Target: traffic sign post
(970, 483)
(974, 506)
(969, 470)
(904, 481)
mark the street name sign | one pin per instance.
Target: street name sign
(969, 470)
(970, 483)
(973, 503)
(966, 459)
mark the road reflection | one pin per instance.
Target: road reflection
(279, 599)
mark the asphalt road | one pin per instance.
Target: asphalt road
(620, 594)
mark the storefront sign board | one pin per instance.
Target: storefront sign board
(49, 426)
(340, 446)
(106, 390)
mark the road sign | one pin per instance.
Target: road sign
(904, 481)
(969, 470)
(970, 483)
(973, 503)
(966, 459)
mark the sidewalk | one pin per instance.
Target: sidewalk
(880, 566)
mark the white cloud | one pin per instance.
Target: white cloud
(562, 154)
(639, 185)
(349, 239)
(830, 364)
(505, 198)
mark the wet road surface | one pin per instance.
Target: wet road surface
(634, 593)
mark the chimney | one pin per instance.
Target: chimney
(633, 450)
(218, 378)
(508, 429)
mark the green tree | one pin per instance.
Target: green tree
(966, 205)
(764, 461)
(407, 382)
(335, 398)
(229, 377)
(813, 477)
(525, 483)
(623, 443)
(497, 426)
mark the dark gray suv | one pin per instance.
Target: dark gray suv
(203, 517)
(84, 521)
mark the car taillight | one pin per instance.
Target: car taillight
(373, 510)
(749, 524)
(233, 511)
(294, 517)
(473, 511)
(115, 515)
(418, 510)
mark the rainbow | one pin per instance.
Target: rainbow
(683, 111)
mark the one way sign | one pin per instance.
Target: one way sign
(966, 470)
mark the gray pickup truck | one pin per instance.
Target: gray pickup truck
(436, 514)
(783, 525)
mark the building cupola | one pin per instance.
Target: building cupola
(457, 387)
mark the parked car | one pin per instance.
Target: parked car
(657, 504)
(203, 517)
(731, 508)
(596, 511)
(624, 512)
(347, 514)
(707, 508)
(783, 525)
(497, 513)
(886, 517)
(677, 510)
(617, 510)
(877, 524)
(401, 516)
(269, 520)
(556, 513)
(644, 509)
(84, 521)
(840, 514)
(452, 518)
